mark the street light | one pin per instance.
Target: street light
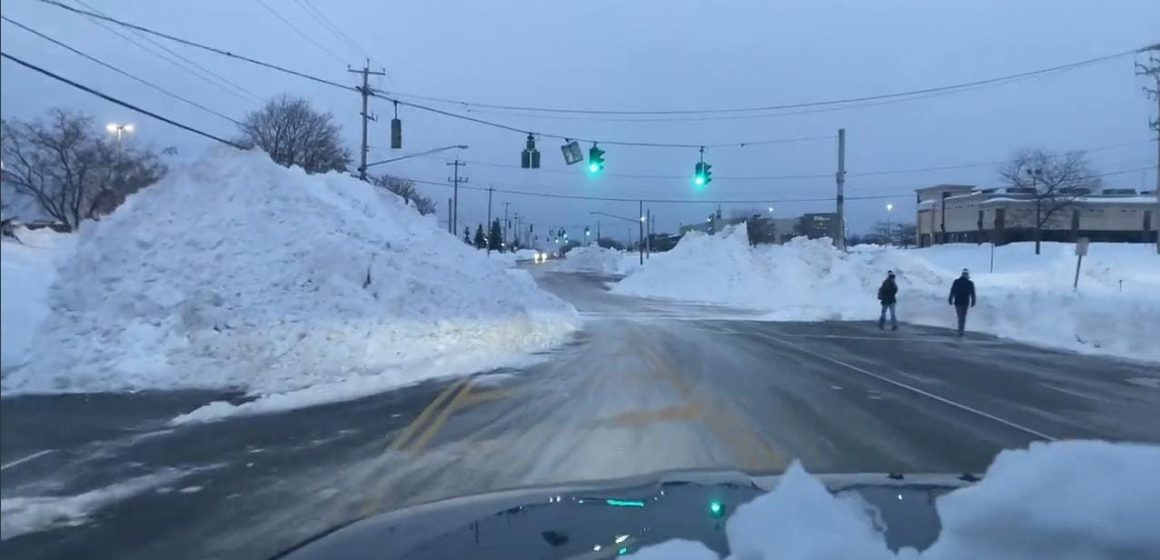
(889, 226)
(428, 152)
(119, 129)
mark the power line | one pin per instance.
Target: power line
(118, 70)
(223, 83)
(801, 176)
(707, 201)
(298, 31)
(319, 16)
(117, 101)
(765, 108)
(423, 107)
(196, 45)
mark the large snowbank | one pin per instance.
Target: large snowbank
(27, 269)
(1070, 500)
(1028, 297)
(235, 272)
(593, 258)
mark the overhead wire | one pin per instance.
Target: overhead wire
(776, 107)
(319, 16)
(767, 200)
(382, 95)
(207, 75)
(299, 31)
(119, 71)
(798, 176)
(117, 101)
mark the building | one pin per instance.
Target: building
(965, 213)
(818, 225)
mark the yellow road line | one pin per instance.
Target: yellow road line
(439, 420)
(485, 396)
(719, 419)
(413, 427)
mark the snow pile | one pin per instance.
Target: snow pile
(593, 258)
(27, 269)
(235, 272)
(1087, 500)
(1028, 298)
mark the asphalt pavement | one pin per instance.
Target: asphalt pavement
(648, 386)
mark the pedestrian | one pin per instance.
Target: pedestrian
(888, 296)
(962, 296)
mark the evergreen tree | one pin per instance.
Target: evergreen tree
(467, 234)
(495, 240)
(480, 240)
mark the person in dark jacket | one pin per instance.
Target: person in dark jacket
(962, 296)
(888, 296)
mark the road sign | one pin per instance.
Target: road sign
(1081, 246)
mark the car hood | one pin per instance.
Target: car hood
(604, 519)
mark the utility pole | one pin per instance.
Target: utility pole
(841, 178)
(455, 179)
(490, 189)
(365, 91)
(648, 223)
(1152, 70)
(450, 222)
(640, 249)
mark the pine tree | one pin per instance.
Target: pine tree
(495, 240)
(480, 240)
(467, 234)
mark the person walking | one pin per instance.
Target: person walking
(962, 296)
(888, 296)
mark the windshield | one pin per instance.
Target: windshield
(271, 268)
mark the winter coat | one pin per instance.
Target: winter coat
(962, 292)
(888, 292)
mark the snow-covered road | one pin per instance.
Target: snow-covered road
(647, 386)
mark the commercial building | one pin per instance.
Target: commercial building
(965, 213)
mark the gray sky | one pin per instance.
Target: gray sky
(677, 54)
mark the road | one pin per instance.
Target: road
(647, 386)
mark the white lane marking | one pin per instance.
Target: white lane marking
(23, 460)
(916, 390)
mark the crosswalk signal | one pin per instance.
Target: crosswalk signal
(595, 159)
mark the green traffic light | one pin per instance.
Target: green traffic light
(593, 168)
(699, 180)
(716, 508)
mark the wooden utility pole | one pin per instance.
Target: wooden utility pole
(365, 91)
(1152, 70)
(640, 240)
(455, 179)
(840, 242)
(490, 189)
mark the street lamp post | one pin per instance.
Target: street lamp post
(889, 225)
(119, 130)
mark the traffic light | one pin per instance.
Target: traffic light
(702, 175)
(530, 157)
(595, 159)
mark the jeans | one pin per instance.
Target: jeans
(882, 318)
(961, 311)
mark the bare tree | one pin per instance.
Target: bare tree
(70, 168)
(405, 188)
(294, 134)
(1051, 182)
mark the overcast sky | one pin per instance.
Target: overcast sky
(646, 55)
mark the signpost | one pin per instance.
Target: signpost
(1081, 250)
